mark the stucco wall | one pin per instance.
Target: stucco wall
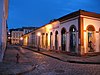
(67, 25)
(3, 30)
(57, 26)
(96, 23)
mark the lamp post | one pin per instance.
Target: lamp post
(38, 34)
(21, 41)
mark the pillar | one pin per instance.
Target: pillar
(81, 35)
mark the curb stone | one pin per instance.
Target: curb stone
(70, 61)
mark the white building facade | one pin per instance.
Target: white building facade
(15, 36)
(71, 34)
(3, 30)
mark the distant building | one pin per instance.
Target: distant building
(29, 39)
(75, 33)
(15, 34)
(28, 29)
(3, 27)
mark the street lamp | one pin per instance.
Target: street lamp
(38, 34)
(21, 40)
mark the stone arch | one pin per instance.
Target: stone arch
(73, 38)
(71, 28)
(63, 39)
(46, 40)
(91, 37)
(43, 40)
(51, 40)
(56, 40)
(90, 28)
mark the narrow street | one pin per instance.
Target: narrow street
(45, 65)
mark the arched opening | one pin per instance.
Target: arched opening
(63, 39)
(91, 38)
(46, 40)
(43, 40)
(73, 38)
(51, 40)
(56, 40)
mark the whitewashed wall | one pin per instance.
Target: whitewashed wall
(67, 24)
(57, 26)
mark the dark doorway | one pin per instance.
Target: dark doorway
(72, 38)
(43, 40)
(56, 40)
(46, 40)
(63, 39)
(51, 40)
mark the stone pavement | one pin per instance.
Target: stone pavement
(9, 65)
(67, 58)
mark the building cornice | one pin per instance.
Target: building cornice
(78, 13)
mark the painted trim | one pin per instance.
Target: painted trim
(90, 26)
(87, 17)
(81, 34)
(97, 31)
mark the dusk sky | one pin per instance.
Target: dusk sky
(40, 12)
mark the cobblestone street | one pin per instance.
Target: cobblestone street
(44, 65)
(50, 66)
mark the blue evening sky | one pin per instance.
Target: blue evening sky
(40, 12)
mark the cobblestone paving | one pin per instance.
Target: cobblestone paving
(49, 66)
(9, 65)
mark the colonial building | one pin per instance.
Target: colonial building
(3, 30)
(77, 32)
(15, 34)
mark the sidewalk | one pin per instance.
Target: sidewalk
(9, 65)
(67, 58)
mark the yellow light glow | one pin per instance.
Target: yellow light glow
(48, 40)
(38, 34)
(48, 27)
(85, 41)
(26, 40)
